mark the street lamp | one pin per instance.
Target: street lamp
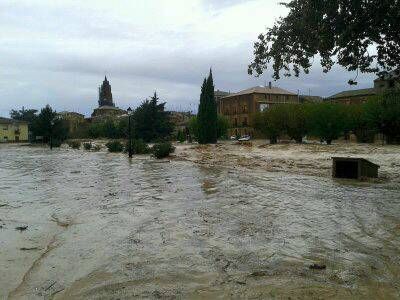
(51, 134)
(129, 133)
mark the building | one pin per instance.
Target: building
(218, 95)
(310, 99)
(385, 82)
(107, 108)
(73, 119)
(239, 107)
(352, 96)
(13, 130)
(180, 120)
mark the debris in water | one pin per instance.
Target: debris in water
(21, 228)
(317, 267)
(28, 248)
(258, 274)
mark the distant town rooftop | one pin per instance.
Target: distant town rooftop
(69, 113)
(262, 90)
(352, 93)
(221, 93)
(11, 121)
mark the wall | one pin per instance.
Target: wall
(13, 132)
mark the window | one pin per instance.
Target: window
(235, 122)
(244, 123)
(5, 127)
(264, 106)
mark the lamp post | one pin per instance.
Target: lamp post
(129, 132)
(51, 134)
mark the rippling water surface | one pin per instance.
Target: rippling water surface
(101, 226)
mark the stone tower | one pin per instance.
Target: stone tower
(105, 95)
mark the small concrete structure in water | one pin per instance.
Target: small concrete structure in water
(353, 168)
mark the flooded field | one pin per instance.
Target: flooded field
(223, 221)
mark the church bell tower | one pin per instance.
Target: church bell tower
(105, 95)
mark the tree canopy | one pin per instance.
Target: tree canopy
(338, 30)
(49, 126)
(222, 126)
(28, 115)
(207, 114)
(151, 121)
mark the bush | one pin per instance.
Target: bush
(115, 146)
(162, 150)
(138, 147)
(87, 146)
(74, 144)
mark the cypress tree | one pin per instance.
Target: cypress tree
(207, 114)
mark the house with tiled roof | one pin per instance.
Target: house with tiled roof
(386, 81)
(241, 106)
(352, 96)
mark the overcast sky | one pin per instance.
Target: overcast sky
(58, 51)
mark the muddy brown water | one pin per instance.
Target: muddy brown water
(103, 227)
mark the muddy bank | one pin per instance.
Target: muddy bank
(196, 226)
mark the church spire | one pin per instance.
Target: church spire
(105, 94)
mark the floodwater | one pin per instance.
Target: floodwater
(103, 227)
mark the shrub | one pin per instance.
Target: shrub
(115, 146)
(162, 150)
(87, 146)
(138, 147)
(74, 144)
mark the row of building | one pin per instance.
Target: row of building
(18, 131)
(239, 107)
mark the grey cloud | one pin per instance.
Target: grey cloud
(61, 61)
(220, 4)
